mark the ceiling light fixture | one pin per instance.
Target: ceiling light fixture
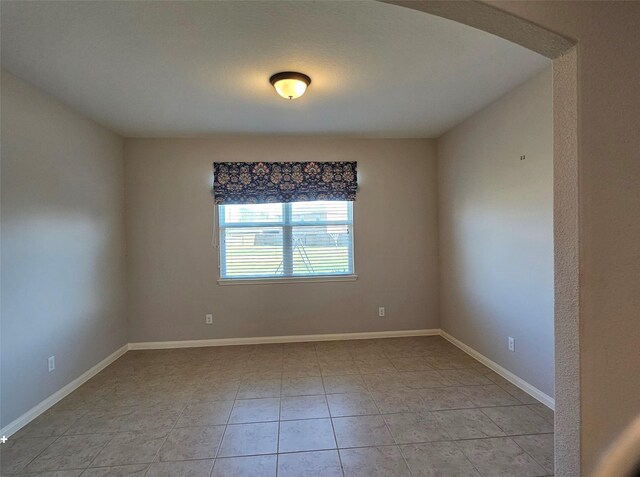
(289, 84)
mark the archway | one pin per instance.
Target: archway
(564, 54)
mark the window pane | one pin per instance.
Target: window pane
(251, 213)
(252, 251)
(311, 238)
(327, 211)
(321, 250)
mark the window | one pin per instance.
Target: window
(296, 239)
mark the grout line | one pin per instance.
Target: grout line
(239, 375)
(531, 456)
(333, 428)
(279, 416)
(224, 432)
(404, 459)
(157, 455)
(318, 450)
(113, 436)
(468, 459)
(39, 453)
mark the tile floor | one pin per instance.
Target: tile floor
(390, 407)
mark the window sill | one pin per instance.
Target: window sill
(268, 281)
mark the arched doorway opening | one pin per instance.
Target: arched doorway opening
(564, 54)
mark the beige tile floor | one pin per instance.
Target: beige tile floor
(390, 407)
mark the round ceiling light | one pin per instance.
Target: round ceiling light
(289, 84)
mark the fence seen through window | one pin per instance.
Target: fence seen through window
(294, 239)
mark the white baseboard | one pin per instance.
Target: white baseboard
(280, 339)
(38, 409)
(506, 374)
(34, 412)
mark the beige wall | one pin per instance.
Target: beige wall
(496, 231)
(596, 172)
(608, 115)
(609, 195)
(172, 268)
(62, 246)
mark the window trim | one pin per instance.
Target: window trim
(285, 224)
(283, 280)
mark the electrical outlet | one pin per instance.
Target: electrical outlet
(208, 319)
(51, 362)
(512, 344)
(381, 311)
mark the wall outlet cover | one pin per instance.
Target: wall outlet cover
(208, 319)
(51, 363)
(381, 311)
(512, 344)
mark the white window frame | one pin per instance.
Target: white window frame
(287, 225)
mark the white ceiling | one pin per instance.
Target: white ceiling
(183, 68)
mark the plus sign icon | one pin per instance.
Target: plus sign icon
(3, 439)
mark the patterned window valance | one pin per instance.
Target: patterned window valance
(268, 182)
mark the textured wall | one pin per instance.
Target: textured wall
(609, 192)
(495, 220)
(596, 146)
(62, 246)
(173, 268)
(566, 240)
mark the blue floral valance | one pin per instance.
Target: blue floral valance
(268, 182)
